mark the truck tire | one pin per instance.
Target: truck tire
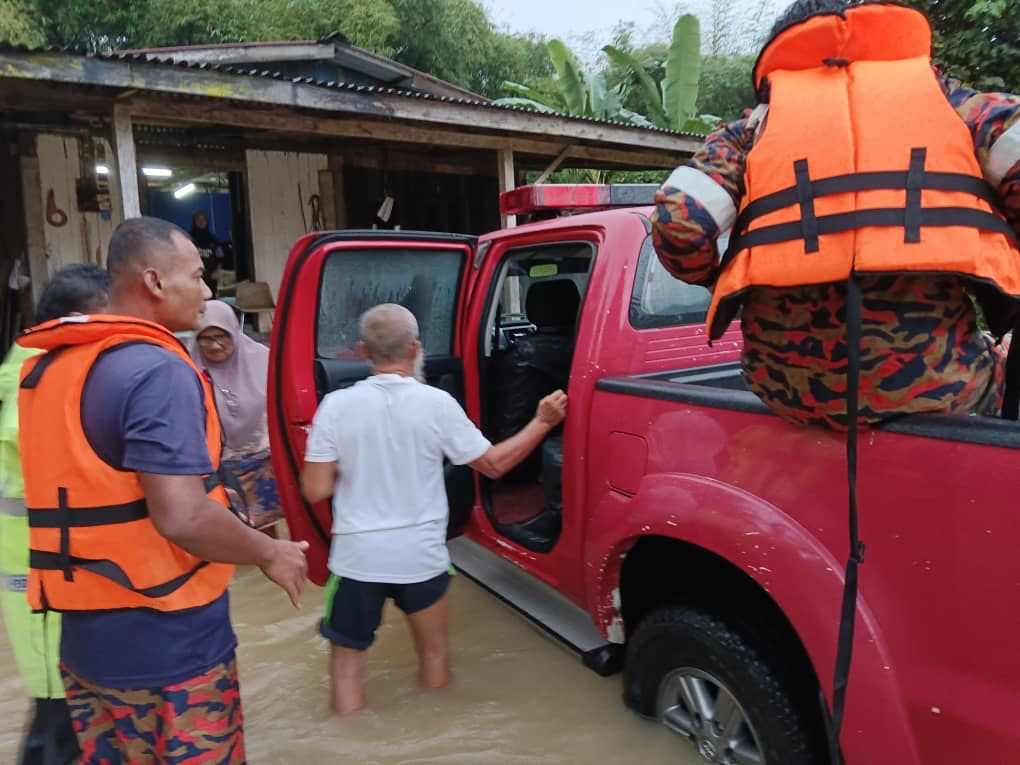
(699, 677)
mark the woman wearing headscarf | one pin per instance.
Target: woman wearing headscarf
(238, 368)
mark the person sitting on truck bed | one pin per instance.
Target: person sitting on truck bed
(922, 349)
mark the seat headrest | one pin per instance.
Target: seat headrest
(553, 304)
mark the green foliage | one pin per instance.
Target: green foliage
(452, 39)
(368, 23)
(103, 24)
(90, 24)
(647, 88)
(977, 40)
(19, 25)
(725, 89)
(683, 69)
(573, 91)
(516, 58)
(456, 41)
(670, 99)
(569, 77)
(588, 175)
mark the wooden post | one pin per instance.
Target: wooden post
(506, 182)
(35, 221)
(341, 218)
(127, 166)
(511, 285)
(327, 200)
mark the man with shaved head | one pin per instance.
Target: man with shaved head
(142, 557)
(377, 448)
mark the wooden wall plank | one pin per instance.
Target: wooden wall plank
(85, 237)
(35, 236)
(278, 215)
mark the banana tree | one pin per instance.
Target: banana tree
(671, 103)
(584, 94)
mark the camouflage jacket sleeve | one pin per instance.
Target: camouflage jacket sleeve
(698, 203)
(994, 122)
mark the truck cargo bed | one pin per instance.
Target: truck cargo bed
(723, 387)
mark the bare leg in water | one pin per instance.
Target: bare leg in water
(430, 628)
(347, 667)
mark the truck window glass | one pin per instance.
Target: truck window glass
(661, 300)
(424, 282)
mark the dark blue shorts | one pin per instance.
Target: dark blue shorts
(354, 609)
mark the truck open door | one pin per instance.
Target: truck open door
(331, 278)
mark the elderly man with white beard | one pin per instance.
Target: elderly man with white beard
(377, 448)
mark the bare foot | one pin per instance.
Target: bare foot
(349, 708)
(434, 680)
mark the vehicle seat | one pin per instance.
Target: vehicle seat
(541, 532)
(553, 306)
(537, 364)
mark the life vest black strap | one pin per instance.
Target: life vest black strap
(894, 180)
(50, 561)
(32, 378)
(222, 477)
(64, 524)
(237, 501)
(78, 517)
(848, 610)
(934, 217)
(806, 200)
(915, 181)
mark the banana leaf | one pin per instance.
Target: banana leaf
(701, 125)
(683, 70)
(527, 103)
(551, 100)
(639, 120)
(569, 78)
(650, 93)
(597, 106)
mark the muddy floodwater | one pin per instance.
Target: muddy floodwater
(517, 696)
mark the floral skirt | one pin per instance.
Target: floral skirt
(258, 482)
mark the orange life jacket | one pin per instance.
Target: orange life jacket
(862, 166)
(93, 545)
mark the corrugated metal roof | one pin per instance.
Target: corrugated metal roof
(239, 71)
(223, 46)
(344, 52)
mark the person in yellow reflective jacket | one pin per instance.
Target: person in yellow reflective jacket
(35, 637)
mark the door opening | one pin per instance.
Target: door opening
(527, 352)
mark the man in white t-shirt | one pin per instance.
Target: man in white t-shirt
(377, 448)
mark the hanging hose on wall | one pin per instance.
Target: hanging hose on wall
(315, 206)
(54, 215)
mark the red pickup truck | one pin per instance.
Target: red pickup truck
(675, 529)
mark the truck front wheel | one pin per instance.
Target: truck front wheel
(701, 679)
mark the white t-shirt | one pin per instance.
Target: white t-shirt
(388, 435)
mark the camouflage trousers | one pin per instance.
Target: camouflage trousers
(196, 721)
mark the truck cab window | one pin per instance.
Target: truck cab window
(659, 299)
(424, 282)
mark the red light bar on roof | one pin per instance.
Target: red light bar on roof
(575, 196)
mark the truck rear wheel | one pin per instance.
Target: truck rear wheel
(703, 680)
